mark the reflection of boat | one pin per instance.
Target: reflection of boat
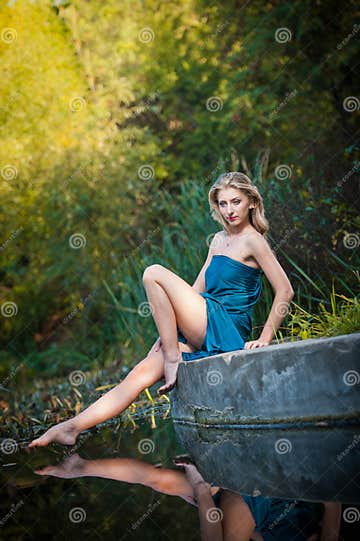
(280, 421)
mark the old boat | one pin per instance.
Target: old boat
(281, 421)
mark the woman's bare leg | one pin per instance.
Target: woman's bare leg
(170, 297)
(174, 302)
(143, 375)
(238, 521)
(130, 470)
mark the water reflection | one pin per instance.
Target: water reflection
(125, 485)
(310, 463)
(223, 514)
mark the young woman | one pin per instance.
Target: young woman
(210, 317)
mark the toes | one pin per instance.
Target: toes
(165, 388)
(43, 471)
(39, 442)
(182, 460)
(162, 390)
(34, 443)
(182, 463)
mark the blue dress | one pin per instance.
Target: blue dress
(280, 519)
(232, 289)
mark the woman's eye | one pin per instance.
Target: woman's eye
(236, 202)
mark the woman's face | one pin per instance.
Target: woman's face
(233, 203)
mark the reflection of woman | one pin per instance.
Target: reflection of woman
(244, 518)
(210, 317)
(224, 515)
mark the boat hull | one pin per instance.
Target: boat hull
(281, 421)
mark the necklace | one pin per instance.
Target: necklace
(227, 241)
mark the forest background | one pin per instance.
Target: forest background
(116, 118)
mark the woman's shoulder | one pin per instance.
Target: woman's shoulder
(218, 239)
(255, 237)
(256, 244)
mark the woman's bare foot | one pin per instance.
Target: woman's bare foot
(71, 467)
(171, 366)
(65, 433)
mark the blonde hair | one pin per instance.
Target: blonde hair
(241, 182)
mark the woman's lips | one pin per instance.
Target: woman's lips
(232, 218)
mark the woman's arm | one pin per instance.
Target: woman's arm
(261, 251)
(210, 518)
(211, 527)
(330, 528)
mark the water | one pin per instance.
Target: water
(123, 484)
(49, 507)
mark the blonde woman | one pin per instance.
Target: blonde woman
(211, 316)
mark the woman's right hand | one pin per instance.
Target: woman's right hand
(156, 347)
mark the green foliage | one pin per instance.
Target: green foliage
(116, 117)
(342, 318)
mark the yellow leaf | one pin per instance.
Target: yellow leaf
(77, 407)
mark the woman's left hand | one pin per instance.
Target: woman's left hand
(256, 344)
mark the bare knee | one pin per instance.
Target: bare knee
(150, 272)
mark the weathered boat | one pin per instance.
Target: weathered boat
(280, 421)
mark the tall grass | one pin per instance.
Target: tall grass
(343, 317)
(115, 325)
(183, 248)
